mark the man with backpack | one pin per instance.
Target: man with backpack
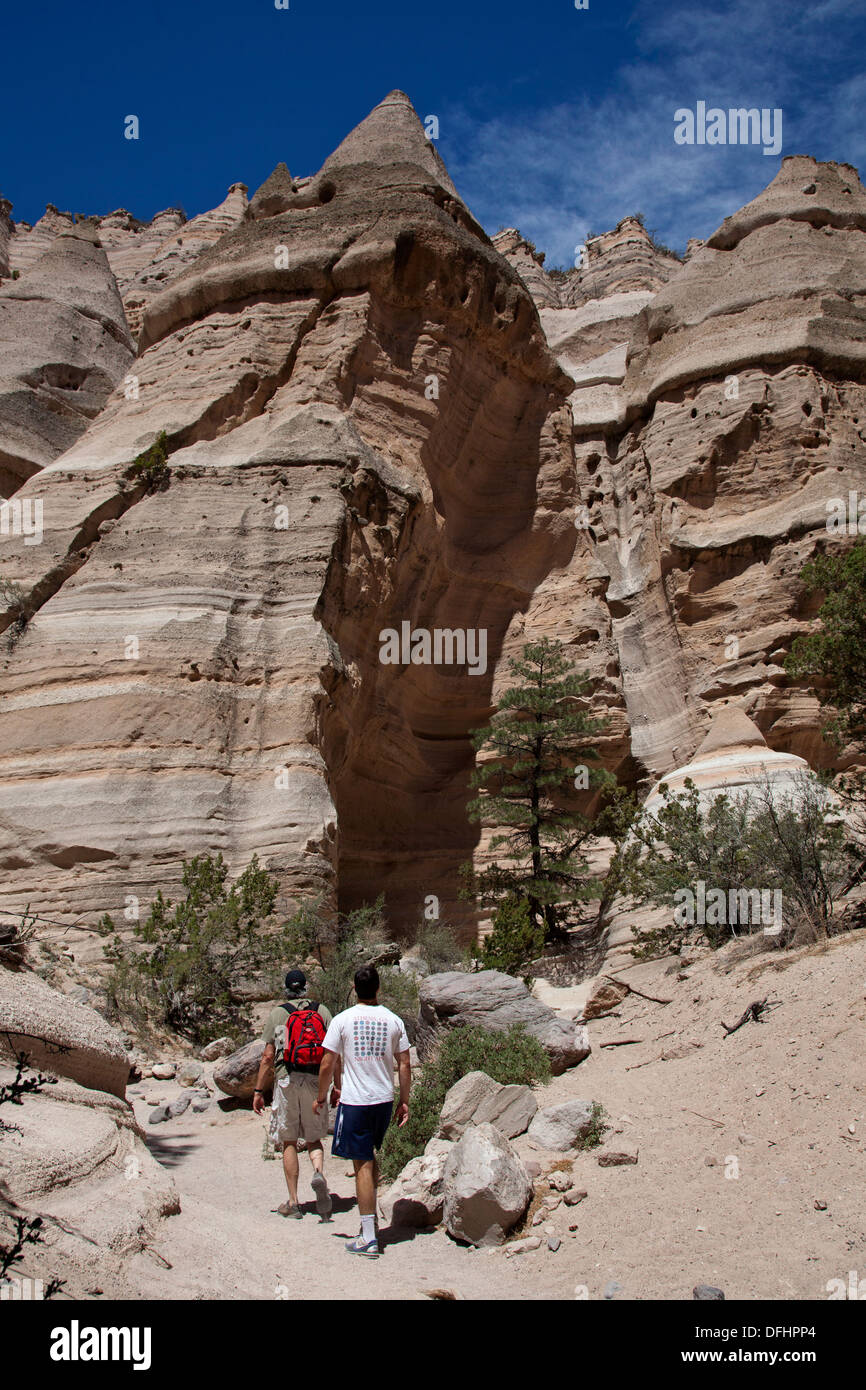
(293, 1036)
(364, 1043)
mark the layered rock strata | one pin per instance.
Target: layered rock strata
(64, 347)
(371, 422)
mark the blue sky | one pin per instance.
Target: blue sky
(554, 120)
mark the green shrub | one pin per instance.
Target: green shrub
(440, 947)
(511, 1058)
(399, 993)
(151, 467)
(515, 939)
(187, 960)
(595, 1133)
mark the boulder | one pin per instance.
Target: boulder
(510, 1109)
(220, 1047)
(177, 1107)
(463, 1100)
(492, 999)
(164, 1071)
(60, 1035)
(190, 1073)
(560, 1127)
(417, 1197)
(487, 1188)
(236, 1075)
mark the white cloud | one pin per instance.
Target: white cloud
(559, 172)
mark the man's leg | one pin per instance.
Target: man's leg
(290, 1168)
(324, 1205)
(365, 1185)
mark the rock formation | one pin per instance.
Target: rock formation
(64, 347)
(376, 415)
(7, 230)
(75, 1156)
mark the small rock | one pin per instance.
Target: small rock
(553, 1243)
(163, 1071)
(553, 1201)
(706, 1292)
(178, 1106)
(220, 1047)
(819, 1205)
(538, 1218)
(574, 1195)
(560, 1182)
(155, 1100)
(612, 1288)
(616, 1160)
(158, 1116)
(442, 1295)
(604, 998)
(200, 1104)
(852, 1129)
(522, 1247)
(711, 1162)
(190, 1073)
(746, 1139)
(561, 1127)
(533, 1168)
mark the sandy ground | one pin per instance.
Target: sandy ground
(737, 1138)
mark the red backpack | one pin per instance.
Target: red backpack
(305, 1033)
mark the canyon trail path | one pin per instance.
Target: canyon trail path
(751, 1171)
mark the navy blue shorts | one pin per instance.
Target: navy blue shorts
(360, 1129)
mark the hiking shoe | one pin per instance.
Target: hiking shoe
(323, 1196)
(358, 1246)
(287, 1209)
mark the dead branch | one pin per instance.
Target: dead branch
(631, 989)
(753, 1013)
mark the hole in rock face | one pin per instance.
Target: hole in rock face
(327, 191)
(694, 413)
(807, 408)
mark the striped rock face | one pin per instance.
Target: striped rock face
(375, 416)
(361, 413)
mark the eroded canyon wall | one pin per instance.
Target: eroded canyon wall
(376, 415)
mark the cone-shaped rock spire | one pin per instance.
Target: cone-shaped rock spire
(275, 194)
(731, 728)
(391, 134)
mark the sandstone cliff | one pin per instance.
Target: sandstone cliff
(376, 415)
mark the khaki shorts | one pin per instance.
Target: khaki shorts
(292, 1115)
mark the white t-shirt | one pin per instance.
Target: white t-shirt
(367, 1037)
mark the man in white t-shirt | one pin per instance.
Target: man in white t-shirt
(366, 1038)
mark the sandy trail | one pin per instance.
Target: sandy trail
(738, 1138)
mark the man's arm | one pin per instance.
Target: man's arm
(404, 1068)
(266, 1067)
(326, 1073)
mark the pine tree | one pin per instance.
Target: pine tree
(836, 653)
(540, 735)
